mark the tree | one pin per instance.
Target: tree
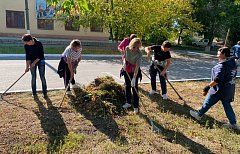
(149, 19)
(216, 16)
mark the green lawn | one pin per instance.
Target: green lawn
(13, 49)
(98, 125)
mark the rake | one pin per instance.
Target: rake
(169, 83)
(60, 105)
(154, 127)
(11, 86)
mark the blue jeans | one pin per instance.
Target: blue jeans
(153, 73)
(212, 99)
(41, 68)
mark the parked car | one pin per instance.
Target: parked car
(203, 43)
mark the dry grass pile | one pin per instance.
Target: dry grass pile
(102, 97)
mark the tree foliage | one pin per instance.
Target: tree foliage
(153, 20)
(216, 16)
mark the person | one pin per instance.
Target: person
(131, 65)
(70, 59)
(35, 58)
(162, 60)
(236, 52)
(125, 43)
(221, 88)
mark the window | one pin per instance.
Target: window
(96, 28)
(45, 24)
(71, 26)
(15, 19)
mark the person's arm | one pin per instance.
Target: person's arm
(40, 53)
(69, 62)
(28, 62)
(218, 79)
(168, 63)
(122, 45)
(148, 51)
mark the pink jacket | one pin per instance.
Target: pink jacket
(123, 44)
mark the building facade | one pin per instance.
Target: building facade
(13, 22)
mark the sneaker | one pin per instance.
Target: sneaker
(75, 86)
(135, 111)
(195, 115)
(164, 96)
(126, 105)
(152, 92)
(34, 95)
(230, 126)
(69, 93)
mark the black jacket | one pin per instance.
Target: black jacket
(35, 51)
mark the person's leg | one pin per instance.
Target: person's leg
(229, 112)
(41, 68)
(135, 95)
(209, 101)
(33, 82)
(153, 73)
(163, 84)
(128, 94)
(66, 77)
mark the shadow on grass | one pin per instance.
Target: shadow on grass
(103, 122)
(179, 138)
(182, 110)
(52, 123)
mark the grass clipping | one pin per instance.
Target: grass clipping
(102, 97)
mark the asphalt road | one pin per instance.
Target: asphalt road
(185, 65)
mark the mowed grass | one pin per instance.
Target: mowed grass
(15, 49)
(38, 126)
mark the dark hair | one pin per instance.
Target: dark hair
(166, 44)
(132, 36)
(27, 38)
(75, 43)
(225, 51)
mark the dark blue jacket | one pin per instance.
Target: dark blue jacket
(224, 73)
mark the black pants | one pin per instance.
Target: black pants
(128, 89)
(153, 73)
(67, 76)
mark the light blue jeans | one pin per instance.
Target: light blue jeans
(212, 99)
(41, 69)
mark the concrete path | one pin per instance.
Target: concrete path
(185, 65)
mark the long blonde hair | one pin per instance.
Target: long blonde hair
(134, 43)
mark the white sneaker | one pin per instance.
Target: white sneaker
(230, 126)
(164, 96)
(75, 86)
(152, 92)
(126, 105)
(195, 115)
(69, 93)
(135, 111)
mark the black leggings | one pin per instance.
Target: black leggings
(128, 89)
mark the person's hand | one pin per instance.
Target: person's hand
(156, 62)
(27, 69)
(133, 82)
(205, 90)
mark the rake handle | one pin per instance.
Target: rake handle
(13, 84)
